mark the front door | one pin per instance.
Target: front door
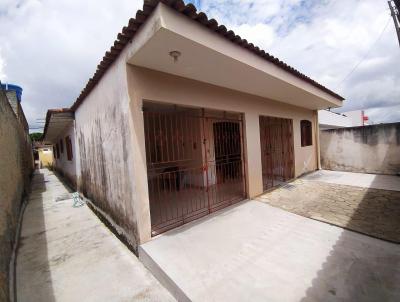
(277, 150)
(194, 163)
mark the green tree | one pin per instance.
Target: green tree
(36, 136)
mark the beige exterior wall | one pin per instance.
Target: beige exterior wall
(45, 156)
(145, 84)
(112, 168)
(151, 85)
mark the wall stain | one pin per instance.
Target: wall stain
(105, 176)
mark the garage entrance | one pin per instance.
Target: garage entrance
(276, 135)
(194, 162)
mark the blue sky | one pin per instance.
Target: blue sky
(51, 48)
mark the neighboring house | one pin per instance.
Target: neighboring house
(183, 118)
(332, 120)
(60, 132)
(44, 157)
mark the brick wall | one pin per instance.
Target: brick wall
(16, 164)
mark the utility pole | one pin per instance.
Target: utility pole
(397, 4)
(394, 6)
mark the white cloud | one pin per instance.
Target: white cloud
(258, 34)
(51, 48)
(2, 67)
(377, 115)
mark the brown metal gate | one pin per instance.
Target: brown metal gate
(277, 154)
(194, 163)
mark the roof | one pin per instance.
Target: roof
(39, 144)
(189, 10)
(49, 113)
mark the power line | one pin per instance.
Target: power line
(364, 57)
(395, 12)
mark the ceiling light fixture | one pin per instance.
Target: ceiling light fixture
(175, 54)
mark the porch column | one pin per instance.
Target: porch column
(141, 201)
(253, 154)
(318, 146)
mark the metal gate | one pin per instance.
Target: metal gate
(276, 135)
(194, 163)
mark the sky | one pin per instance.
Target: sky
(51, 48)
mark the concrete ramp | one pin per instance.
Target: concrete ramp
(254, 252)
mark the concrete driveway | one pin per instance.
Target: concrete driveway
(255, 252)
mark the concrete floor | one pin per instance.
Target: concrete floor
(67, 254)
(169, 206)
(255, 252)
(364, 180)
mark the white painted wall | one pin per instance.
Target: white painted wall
(356, 117)
(332, 120)
(329, 120)
(62, 164)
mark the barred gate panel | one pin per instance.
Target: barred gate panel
(277, 150)
(194, 163)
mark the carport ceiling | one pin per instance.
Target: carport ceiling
(207, 57)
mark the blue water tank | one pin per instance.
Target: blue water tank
(12, 87)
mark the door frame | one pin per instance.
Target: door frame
(206, 118)
(277, 150)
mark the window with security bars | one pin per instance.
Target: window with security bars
(306, 133)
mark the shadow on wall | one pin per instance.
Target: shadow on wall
(372, 271)
(33, 263)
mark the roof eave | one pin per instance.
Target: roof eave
(128, 33)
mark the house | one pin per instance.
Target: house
(332, 120)
(59, 131)
(43, 155)
(183, 118)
